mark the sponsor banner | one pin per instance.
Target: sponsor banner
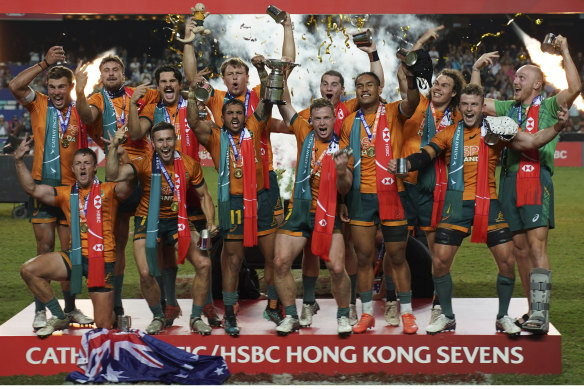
(323, 354)
(568, 154)
(296, 7)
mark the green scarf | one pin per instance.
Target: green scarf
(354, 195)
(455, 189)
(109, 119)
(302, 191)
(223, 182)
(75, 253)
(427, 175)
(152, 219)
(51, 170)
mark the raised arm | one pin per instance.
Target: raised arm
(374, 62)
(408, 106)
(201, 129)
(525, 141)
(286, 110)
(88, 114)
(415, 161)
(20, 85)
(113, 171)
(567, 96)
(288, 46)
(43, 193)
(428, 36)
(138, 127)
(487, 59)
(189, 58)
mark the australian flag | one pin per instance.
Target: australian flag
(114, 356)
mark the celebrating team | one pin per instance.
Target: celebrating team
(347, 186)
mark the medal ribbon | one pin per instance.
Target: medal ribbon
(236, 151)
(371, 135)
(64, 123)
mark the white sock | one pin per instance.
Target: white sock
(405, 308)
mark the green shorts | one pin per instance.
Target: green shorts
(527, 216)
(370, 213)
(274, 193)
(266, 221)
(109, 271)
(464, 223)
(167, 229)
(42, 213)
(130, 204)
(303, 225)
(418, 206)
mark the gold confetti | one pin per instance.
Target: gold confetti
(328, 33)
(318, 54)
(522, 57)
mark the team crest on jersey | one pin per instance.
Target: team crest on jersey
(500, 218)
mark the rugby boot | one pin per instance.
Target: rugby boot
(344, 328)
(308, 310)
(230, 325)
(53, 324)
(288, 325)
(391, 313)
(76, 316)
(435, 312)
(441, 324)
(212, 316)
(541, 285)
(367, 321)
(409, 323)
(274, 314)
(171, 312)
(40, 320)
(506, 325)
(199, 326)
(155, 326)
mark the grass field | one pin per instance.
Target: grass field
(474, 275)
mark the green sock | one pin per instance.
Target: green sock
(505, 287)
(353, 278)
(118, 283)
(366, 296)
(69, 300)
(308, 287)
(169, 278)
(156, 310)
(38, 306)
(230, 298)
(342, 312)
(443, 286)
(272, 293)
(389, 288)
(55, 308)
(290, 310)
(160, 283)
(197, 311)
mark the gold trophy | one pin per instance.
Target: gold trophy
(203, 91)
(550, 44)
(275, 85)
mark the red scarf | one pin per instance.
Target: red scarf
(254, 100)
(341, 112)
(180, 196)
(390, 207)
(441, 175)
(83, 142)
(96, 271)
(250, 201)
(482, 195)
(528, 184)
(188, 141)
(326, 205)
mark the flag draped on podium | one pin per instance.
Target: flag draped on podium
(114, 356)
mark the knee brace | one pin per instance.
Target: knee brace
(448, 237)
(498, 237)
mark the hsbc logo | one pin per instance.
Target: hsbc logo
(387, 181)
(181, 226)
(527, 168)
(97, 202)
(98, 247)
(529, 125)
(340, 114)
(176, 181)
(322, 222)
(386, 135)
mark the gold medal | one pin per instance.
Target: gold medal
(83, 227)
(238, 172)
(174, 206)
(64, 143)
(371, 152)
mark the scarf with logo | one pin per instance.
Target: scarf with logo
(453, 197)
(94, 236)
(51, 170)
(250, 202)
(433, 178)
(109, 117)
(341, 112)
(390, 207)
(528, 184)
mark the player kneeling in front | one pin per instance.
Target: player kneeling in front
(472, 151)
(90, 207)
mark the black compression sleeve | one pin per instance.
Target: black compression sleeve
(419, 160)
